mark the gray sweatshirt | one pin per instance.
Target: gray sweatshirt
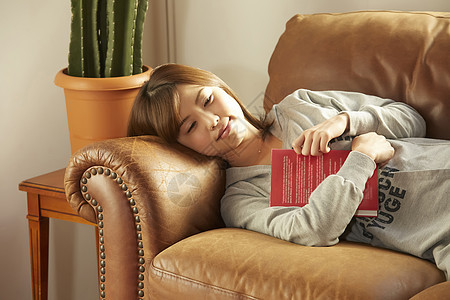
(414, 187)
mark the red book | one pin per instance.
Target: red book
(295, 177)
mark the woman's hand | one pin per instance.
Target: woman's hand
(375, 146)
(314, 141)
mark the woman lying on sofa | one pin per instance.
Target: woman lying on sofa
(197, 109)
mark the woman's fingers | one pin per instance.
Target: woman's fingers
(298, 143)
(314, 141)
(306, 147)
(324, 148)
(311, 143)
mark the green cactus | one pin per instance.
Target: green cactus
(139, 33)
(106, 37)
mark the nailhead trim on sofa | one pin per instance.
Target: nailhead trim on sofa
(102, 261)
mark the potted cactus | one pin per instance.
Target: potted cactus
(105, 69)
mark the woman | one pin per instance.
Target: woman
(197, 109)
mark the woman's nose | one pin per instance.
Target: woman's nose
(214, 122)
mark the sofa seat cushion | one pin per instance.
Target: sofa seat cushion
(232, 263)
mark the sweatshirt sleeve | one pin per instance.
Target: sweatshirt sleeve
(319, 223)
(368, 113)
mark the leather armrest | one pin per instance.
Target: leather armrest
(176, 191)
(145, 196)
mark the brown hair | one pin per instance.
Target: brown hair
(156, 108)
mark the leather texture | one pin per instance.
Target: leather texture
(161, 234)
(175, 192)
(438, 291)
(403, 56)
(241, 264)
(154, 173)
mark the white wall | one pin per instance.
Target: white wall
(233, 39)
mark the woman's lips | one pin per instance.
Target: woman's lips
(225, 131)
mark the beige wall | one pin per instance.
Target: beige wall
(235, 38)
(232, 38)
(34, 41)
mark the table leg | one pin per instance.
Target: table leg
(38, 235)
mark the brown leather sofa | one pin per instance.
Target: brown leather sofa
(157, 206)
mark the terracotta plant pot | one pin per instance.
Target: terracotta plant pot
(98, 108)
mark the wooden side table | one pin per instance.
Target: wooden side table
(46, 199)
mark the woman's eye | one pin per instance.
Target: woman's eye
(192, 127)
(208, 100)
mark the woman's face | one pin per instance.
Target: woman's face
(212, 121)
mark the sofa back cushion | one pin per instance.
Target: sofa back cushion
(404, 56)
